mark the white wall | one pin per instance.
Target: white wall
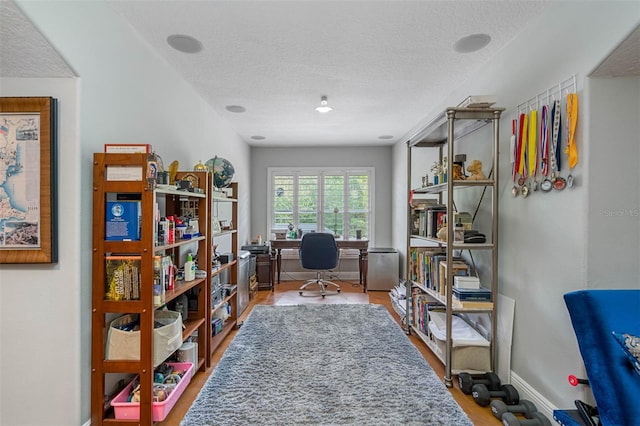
(40, 307)
(377, 157)
(127, 94)
(544, 238)
(613, 206)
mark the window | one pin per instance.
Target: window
(325, 200)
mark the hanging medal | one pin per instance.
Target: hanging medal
(572, 122)
(532, 153)
(558, 182)
(513, 155)
(525, 144)
(546, 184)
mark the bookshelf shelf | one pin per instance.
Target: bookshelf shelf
(443, 134)
(143, 249)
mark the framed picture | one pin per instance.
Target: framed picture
(28, 180)
(215, 226)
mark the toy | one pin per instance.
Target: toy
(475, 168)
(442, 233)
(458, 172)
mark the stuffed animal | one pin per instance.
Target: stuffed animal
(475, 168)
(442, 233)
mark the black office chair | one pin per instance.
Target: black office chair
(319, 252)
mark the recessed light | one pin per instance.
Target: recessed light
(235, 108)
(471, 43)
(184, 43)
(258, 138)
(385, 137)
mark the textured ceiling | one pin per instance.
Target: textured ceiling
(624, 60)
(24, 52)
(384, 65)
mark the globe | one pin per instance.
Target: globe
(222, 171)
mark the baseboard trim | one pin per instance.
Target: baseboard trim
(528, 392)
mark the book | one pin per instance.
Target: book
(123, 220)
(471, 304)
(463, 282)
(459, 268)
(122, 277)
(127, 148)
(436, 217)
(469, 294)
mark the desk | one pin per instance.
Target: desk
(361, 245)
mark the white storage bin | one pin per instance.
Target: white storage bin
(125, 345)
(470, 351)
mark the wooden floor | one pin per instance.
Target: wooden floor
(286, 294)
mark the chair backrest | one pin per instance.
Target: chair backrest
(319, 251)
(615, 385)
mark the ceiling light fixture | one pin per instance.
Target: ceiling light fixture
(324, 107)
(184, 43)
(258, 138)
(471, 43)
(383, 137)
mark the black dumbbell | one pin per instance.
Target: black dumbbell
(525, 407)
(537, 419)
(466, 381)
(483, 396)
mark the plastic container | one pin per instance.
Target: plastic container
(189, 269)
(124, 410)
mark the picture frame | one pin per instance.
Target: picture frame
(28, 183)
(215, 226)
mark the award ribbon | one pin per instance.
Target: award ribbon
(558, 182)
(532, 156)
(544, 139)
(572, 122)
(522, 144)
(513, 155)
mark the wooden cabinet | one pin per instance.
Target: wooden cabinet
(120, 186)
(263, 271)
(444, 134)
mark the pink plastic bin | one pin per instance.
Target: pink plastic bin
(131, 410)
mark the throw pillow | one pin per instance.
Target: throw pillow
(631, 347)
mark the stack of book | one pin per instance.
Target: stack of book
(479, 298)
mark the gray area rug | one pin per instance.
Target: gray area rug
(323, 365)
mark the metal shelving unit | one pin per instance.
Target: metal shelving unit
(443, 133)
